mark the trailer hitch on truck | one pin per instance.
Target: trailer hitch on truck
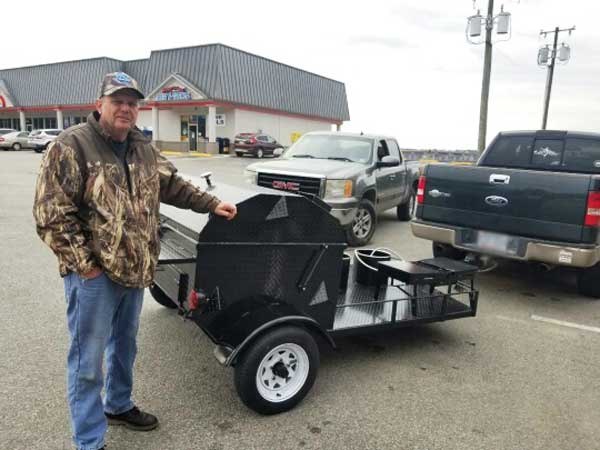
(266, 286)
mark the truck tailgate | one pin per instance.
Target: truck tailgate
(545, 205)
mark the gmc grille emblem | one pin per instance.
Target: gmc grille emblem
(286, 185)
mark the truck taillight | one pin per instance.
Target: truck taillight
(592, 211)
(421, 190)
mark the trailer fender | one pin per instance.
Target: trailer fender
(227, 355)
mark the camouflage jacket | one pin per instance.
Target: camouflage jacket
(91, 215)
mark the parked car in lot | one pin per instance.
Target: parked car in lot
(358, 176)
(15, 140)
(40, 139)
(533, 196)
(256, 144)
(4, 131)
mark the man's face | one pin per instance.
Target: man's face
(119, 111)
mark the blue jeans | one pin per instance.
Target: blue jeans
(103, 319)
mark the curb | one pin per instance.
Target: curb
(173, 153)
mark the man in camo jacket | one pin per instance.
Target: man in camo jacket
(96, 206)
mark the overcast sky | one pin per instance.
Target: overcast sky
(406, 64)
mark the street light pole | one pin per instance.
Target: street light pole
(487, 70)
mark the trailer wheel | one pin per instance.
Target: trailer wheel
(361, 229)
(587, 281)
(161, 297)
(447, 251)
(278, 370)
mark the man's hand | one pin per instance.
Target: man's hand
(94, 273)
(226, 210)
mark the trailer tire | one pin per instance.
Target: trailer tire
(277, 371)
(161, 297)
(447, 251)
(588, 281)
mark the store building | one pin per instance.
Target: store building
(194, 95)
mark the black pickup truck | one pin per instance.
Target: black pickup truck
(533, 196)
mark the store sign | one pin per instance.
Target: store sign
(173, 93)
(220, 118)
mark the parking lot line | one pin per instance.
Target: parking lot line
(565, 324)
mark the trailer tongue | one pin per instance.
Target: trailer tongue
(266, 284)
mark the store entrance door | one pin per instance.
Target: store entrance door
(193, 137)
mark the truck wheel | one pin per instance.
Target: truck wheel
(260, 153)
(161, 297)
(406, 210)
(588, 281)
(447, 251)
(276, 372)
(361, 230)
(240, 154)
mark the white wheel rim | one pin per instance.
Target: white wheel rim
(282, 373)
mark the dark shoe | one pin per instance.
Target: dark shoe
(134, 419)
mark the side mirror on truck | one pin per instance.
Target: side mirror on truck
(388, 161)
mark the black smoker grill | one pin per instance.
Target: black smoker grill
(264, 285)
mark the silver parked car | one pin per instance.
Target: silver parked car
(15, 140)
(40, 139)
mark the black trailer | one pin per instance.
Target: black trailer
(266, 285)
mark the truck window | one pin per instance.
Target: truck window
(510, 151)
(382, 149)
(547, 154)
(394, 149)
(582, 155)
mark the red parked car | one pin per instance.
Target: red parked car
(256, 144)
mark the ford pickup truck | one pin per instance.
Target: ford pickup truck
(533, 196)
(357, 175)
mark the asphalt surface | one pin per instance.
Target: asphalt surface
(502, 380)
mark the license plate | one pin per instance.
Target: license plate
(492, 241)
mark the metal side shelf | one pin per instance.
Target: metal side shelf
(401, 305)
(171, 253)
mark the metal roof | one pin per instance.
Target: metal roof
(66, 83)
(223, 73)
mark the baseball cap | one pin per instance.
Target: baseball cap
(116, 81)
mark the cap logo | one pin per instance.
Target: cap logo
(122, 78)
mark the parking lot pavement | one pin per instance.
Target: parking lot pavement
(502, 380)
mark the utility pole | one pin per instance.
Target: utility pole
(485, 85)
(550, 76)
(474, 25)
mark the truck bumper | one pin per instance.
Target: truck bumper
(555, 253)
(344, 215)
